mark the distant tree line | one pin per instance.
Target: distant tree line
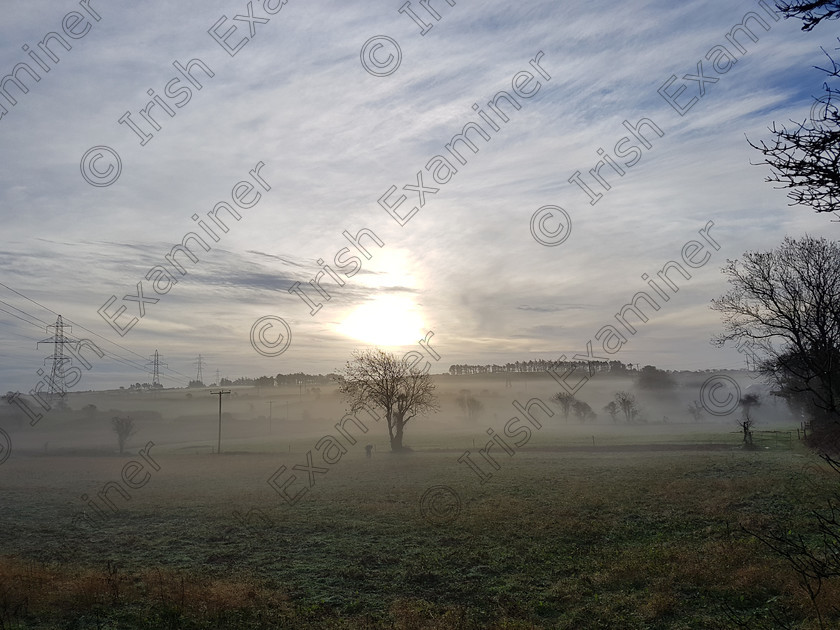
(297, 378)
(543, 365)
(146, 386)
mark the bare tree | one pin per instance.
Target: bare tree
(746, 422)
(787, 301)
(469, 405)
(627, 403)
(695, 410)
(124, 428)
(804, 156)
(381, 380)
(612, 409)
(564, 400)
(583, 411)
(811, 12)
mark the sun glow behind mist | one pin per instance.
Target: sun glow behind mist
(386, 321)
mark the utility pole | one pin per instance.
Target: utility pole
(269, 416)
(219, 394)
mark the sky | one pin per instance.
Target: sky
(319, 117)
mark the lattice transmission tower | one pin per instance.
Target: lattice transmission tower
(155, 364)
(56, 380)
(199, 375)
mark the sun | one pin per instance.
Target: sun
(385, 321)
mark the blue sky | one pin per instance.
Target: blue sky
(334, 138)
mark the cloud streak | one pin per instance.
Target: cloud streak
(334, 139)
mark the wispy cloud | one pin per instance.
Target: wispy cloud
(334, 139)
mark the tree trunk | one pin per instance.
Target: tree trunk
(397, 438)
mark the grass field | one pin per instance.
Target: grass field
(617, 537)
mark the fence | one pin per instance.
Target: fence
(772, 439)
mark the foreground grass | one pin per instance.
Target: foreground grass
(553, 540)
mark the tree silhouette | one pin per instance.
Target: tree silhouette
(747, 421)
(811, 12)
(804, 157)
(564, 400)
(695, 410)
(627, 403)
(583, 411)
(612, 409)
(469, 405)
(787, 301)
(653, 378)
(379, 379)
(124, 428)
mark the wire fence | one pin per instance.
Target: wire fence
(773, 439)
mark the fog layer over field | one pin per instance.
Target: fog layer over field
(280, 419)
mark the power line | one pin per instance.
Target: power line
(46, 308)
(28, 338)
(111, 354)
(27, 298)
(72, 322)
(18, 316)
(30, 315)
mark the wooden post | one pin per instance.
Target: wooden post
(219, 394)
